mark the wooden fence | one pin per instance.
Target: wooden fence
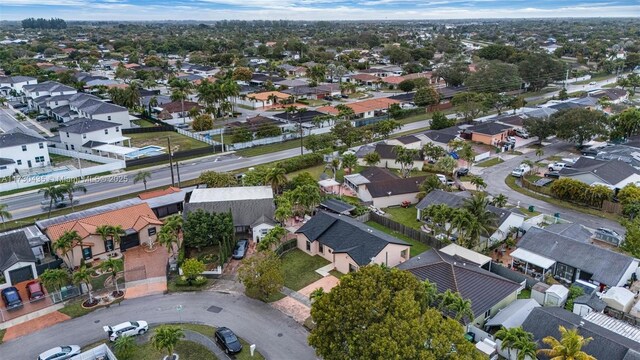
(412, 233)
(611, 207)
(140, 130)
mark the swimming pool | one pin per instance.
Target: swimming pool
(150, 150)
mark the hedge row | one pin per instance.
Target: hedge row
(301, 162)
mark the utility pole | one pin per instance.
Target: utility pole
(301, 134)
(178, 171)
(566, 80)
(173, 183)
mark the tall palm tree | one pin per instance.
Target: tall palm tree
(284, 210)
(334, 166)
(83, 275)
(500, 200)
(65, 245)
(569, 347)
(273, 98)
(513, 337)
(276, 176)
(180, 91)
(70, 187)
(166, 338)
(483, 219)
(54, 279)
(526, 349)
(462, 309)
(349, 161)
(142, 176)
(167, 239)
(372, 158)
(478, 182)
(539, 153)
(5, 214)
(112, 266)
(52, 193)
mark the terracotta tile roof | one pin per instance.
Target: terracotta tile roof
(159, 192)
(176, 106)
(393, 79)
(364, 77)
(264, 96)
(361, 107)
(133, 217)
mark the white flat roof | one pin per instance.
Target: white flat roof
(535, 259)
(231, 194)
(120, 138)
(357, 179)
(116, 149)
(474, 257)
(328, 182)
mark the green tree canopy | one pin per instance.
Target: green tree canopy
(261, 275)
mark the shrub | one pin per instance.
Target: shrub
(191, 269)
(301, 162)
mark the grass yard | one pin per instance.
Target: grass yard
(490, 162)
(315, 172)
(300, 269)
(143, 123)
(2, 332)
(266, 149)
(75, 309)
(178, 142)
(405, 216)
(525, 294)
(417, 247)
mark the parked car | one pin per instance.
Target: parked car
(405, 204)
(510, 140)
(35, 291)
(462, 172)
(593, 83)
(241, 249)
(521, 170)
(42, 118)
(19, 106)
(11, 298)
(129, 328)
(522, 133)
(228, 340)
(60, 353)
(443, 179)
(604, 232)
(557, 166)
(344, 96)
(552, 174)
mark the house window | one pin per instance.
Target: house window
(117, 129)
(19, 162)
(321, 248)
(87, 254)
(41, 145)
(73, 147)
(56, 103)
(404, 253)
(352, 268)
(109, 118)
(565, 271)
(39, 159)
(151, 231)
(487, 314)
(308, 245)
(67, 134)
(24, 147)
(84, 136)
(3, 168)
(108, 245)
(106, 131)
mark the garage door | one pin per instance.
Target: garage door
(21, 274)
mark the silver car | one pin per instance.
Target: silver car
(60, 352)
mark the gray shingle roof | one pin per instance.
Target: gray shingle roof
(571, 230)
(374, 174)
(84, 125)
(609, 171)
(50, 86)
(606, 344)
(437, 197)
(490, 128)
(483, 288)
(408, 139)
(14, 248)
(15, 79)
(606, 266)
(387, 152)
(442, 136)
(17, 138)
(395, 187)
(347, 235)
(337, 206)
(244, 211)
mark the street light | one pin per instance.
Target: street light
(173, 183)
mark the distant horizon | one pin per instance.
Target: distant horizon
(314, 10)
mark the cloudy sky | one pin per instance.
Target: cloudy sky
(312, 9)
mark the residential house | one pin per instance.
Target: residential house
(364, 79)
(488, 292)
(305, 118)
(349, 244)
(571, 230)
(84, 135)
(13, 84)
(305, 92)
(605, 344)
(615, 95)
(407, 141)
(261, 227)
(44, 90)
(612, 173)
(174, 109)
(258, 79)
(89, 106)
(505, 219)
(490, 133)
(247, 204)
(365, 109)
(286, 83)
(297, 71)
(20, 151)
(541, 251)
(441, 137)
(388, 155)
(139, 223)
(383, 188)
(262, 99)
(329, 89)
(336, 206)
(17, 261)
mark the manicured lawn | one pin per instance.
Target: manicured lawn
(490, 162)
(144, 123)
(300, 269)
(405, 216)
(266, 149)
(172, 287)
(417, 247)
(315, 172)
(75, 309)
(336, 273)
(178, 142)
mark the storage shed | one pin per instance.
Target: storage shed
(619, 298)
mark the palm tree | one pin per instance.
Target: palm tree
(316, 294)
(539, 153)
(334, 165)
(349, 161)
(5, 214)
(54, 279)
(499, 200)
(526, 349)
(52, 193)
(276, 176)
(166, 338)
(429, 184)
(142, 176)
(478, 182)
(512, 337)
(284, 210)
(69, 187)
(482, 218)
(180, 91)
(65, 245)
(462, 309)
(569, 347)
(273, 98)
(83, 275)
(124, 346)
(112, 266)
(372, 158)
(167, 239)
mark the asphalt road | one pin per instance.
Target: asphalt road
(495, 175)
(573, 88)
(276, 336)
(28, 203)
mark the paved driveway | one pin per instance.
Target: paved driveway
(276, 336)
